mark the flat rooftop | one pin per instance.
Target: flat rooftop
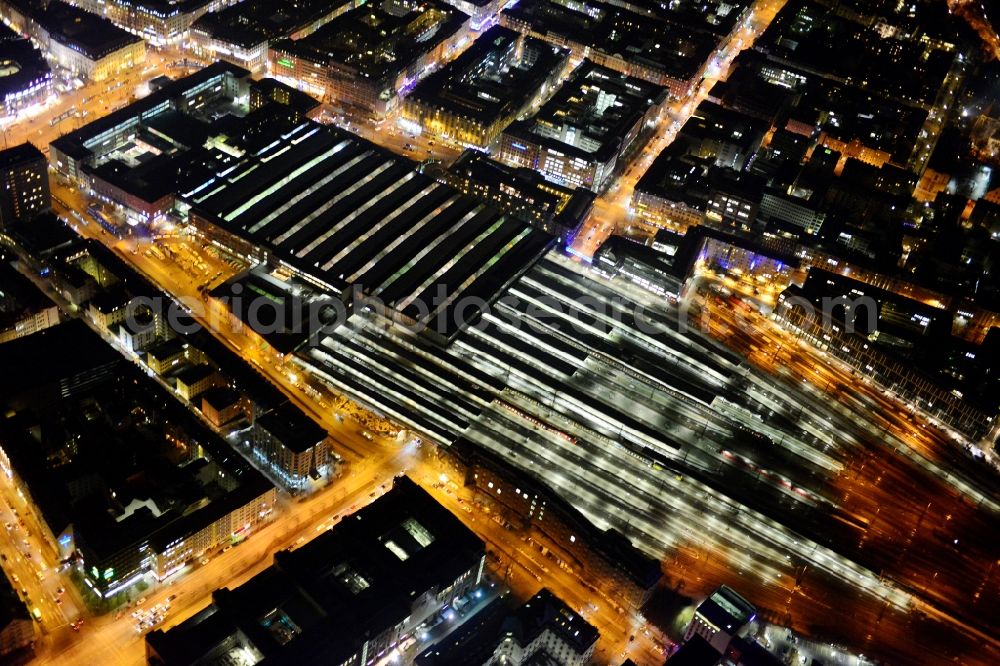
(19, 156)
(677, 50)
(379, 40)
(876, 120)
(166, 8)
(491, 79)
(29, 66)
(677, 176)
(292, 427)
(348, 583)
(19, 297)
(79, 143)
(888, 63)
(87, 459)
(531, 186)
(252, 22)
(590, 115)
(90, 34)
(346, 213)
(481, 636)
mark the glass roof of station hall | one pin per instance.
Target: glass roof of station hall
(347, 212)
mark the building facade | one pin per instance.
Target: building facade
(292, 444)
(24, 184)
(563, 143)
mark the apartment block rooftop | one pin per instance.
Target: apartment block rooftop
(906, 66)
(251, 22)
(485, 83)
(90, 34)
(379, 40)
(591, 114)
(327, 599)
(674, 50)
(114, 456)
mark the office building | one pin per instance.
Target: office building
(24, 184)
(727, 137)
(474, 97)
(791, 213)
(166, 355)
(267, 90)
(241, 33)
(350, 596)
(482, 12)
(86, 44)
(522, 192)
(222, 405)
(23, 308)
(133, 499)
(733, 199)
(191, 381)
(620, 572)
(542, 631)
(158, 22)
(673, 193)
(643, 266)
(391, 46)
(134, 157)
(25, 76)
(589, 127)
(720, 618)
(109, 307)
(293, 446)
(655, 47)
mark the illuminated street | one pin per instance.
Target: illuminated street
(681, 411)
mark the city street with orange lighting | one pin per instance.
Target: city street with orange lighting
(706, 431)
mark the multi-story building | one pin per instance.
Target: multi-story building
(294, 446)
(727, 137)
(392, 45)
(24, 183)
(101, 153)
(25, 76)
(673, 193)
(267, 90)
(475, 96)
(17, 629)
(194, 380)
(195, 494)
(553, 208)
(483, 12)
(580, 136)
(624, 577)
(348, 597)
(643, 46)
(644, 267)
(86, 44)
(720, 618)
(542, 631)
(733, 199)
(164, 356)
(222, 405)
(159, 22)
(138, 333)
(23, 308)
(241, 33)
(792, 212)
(109, 307)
